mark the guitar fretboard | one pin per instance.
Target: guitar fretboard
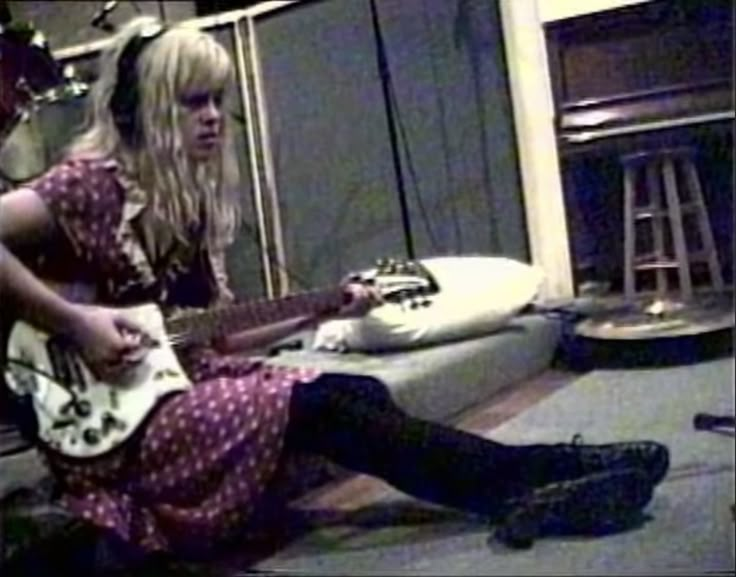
(201, 327)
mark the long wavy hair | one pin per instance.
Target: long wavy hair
(179, 191)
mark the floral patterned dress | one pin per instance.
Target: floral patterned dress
(194, 474)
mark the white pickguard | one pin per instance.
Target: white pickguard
(90, 417)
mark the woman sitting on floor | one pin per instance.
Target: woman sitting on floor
(142, 210)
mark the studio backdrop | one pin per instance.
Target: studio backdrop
(366, 129)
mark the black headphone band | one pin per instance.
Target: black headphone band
(124, 100)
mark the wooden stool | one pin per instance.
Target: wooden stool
(679, 229)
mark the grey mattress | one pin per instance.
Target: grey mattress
(439, 381)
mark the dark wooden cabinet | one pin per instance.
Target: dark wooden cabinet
(646, 76)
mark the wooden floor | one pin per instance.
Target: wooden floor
(359, 490)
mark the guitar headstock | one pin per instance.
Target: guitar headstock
(399, 280)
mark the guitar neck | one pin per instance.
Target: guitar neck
(202, 327)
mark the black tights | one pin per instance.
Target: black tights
(354, 422)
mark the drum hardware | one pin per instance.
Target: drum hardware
(660, 317)
(661, 308)
(99, 20)
(35, 104)
(713, 423)
(25, 33)
(70, 88)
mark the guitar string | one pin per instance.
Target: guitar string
(175, 339)
(34, 369)
(52, 378)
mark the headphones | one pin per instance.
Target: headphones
(124, 100)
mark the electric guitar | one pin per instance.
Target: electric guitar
(80, 416)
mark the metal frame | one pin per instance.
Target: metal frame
(252, 136)
(269, 172)
(231, 17)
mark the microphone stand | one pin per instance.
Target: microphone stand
(99, 19)
(385, 76)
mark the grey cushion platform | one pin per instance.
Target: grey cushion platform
(438, 382)
(690, 530)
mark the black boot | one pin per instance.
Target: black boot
(594, 504)
(567, 461)
(649, 457)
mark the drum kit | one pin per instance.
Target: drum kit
(41, 103)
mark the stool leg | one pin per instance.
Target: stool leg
(655, 190)
(706, 234)
(678, 234)
(629, 238)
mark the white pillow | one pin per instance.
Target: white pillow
(477, 295)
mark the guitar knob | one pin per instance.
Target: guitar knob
(91, 436)
(83, 409)
(110, 422)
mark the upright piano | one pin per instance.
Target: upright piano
(641, 77)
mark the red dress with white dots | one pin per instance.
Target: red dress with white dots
(195, 472)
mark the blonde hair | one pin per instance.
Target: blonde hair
(183, 59)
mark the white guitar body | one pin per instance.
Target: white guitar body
(84, 417)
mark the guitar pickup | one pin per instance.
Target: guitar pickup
(165, 374)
